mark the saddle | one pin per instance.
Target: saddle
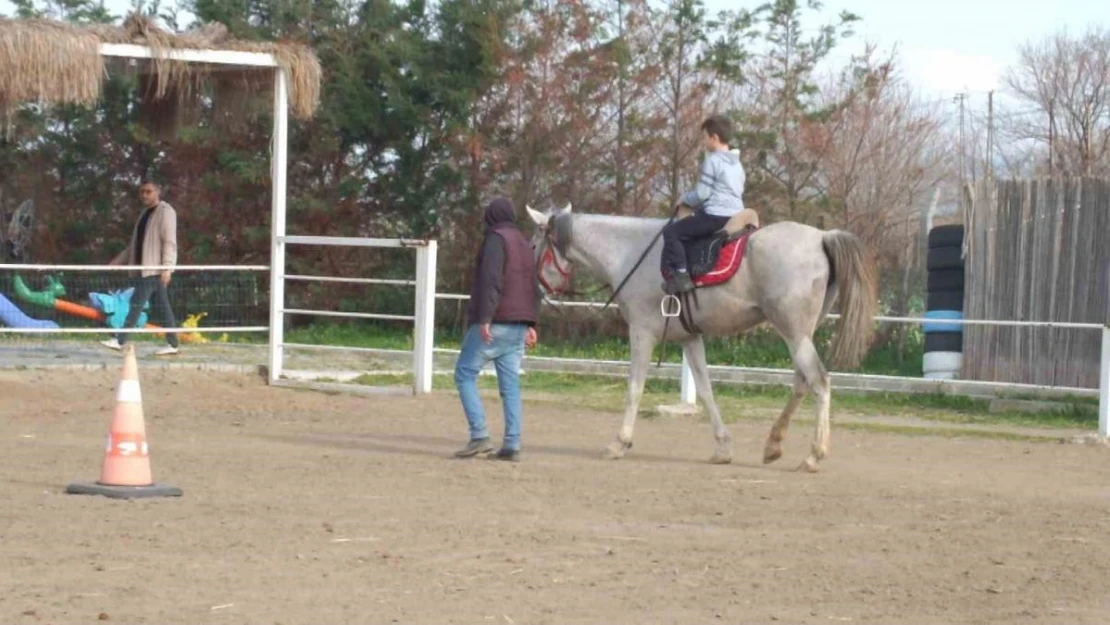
(714, 259)
(710, 260)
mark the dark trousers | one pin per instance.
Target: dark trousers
(144, 289)
(682, 232)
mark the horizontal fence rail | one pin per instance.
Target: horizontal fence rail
(159, 330)
(354, 241)
(20, 267)
(351, 280)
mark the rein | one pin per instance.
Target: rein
(549, 243)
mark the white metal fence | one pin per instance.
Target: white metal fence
(423, 320)
(51, 269)
(688, 394)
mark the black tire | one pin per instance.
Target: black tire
(946, 280)
(943, 236)
(944, 257)
(944, 342)
(945, 300)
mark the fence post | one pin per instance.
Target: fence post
(424, 325)
(1104, 385)
(688, 393)
(277, 227)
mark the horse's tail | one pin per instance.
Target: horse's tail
(856, 277)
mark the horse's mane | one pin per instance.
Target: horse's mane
(563, 225)
(563, 228)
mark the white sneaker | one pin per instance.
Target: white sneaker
(168, 350)
(112, 343)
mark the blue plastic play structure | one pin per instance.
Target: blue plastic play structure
(13, 317)
(115, 305)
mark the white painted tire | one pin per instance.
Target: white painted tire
(942, 375)
(942, 365)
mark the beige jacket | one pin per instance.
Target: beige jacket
(159, 244)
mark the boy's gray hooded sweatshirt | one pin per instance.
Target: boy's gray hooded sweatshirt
(720, 188)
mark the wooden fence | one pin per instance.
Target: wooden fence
(1037, 250)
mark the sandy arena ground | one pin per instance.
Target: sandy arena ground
(307, 508)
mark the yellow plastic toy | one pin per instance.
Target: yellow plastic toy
(193, 321)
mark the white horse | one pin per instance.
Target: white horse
(790, 276)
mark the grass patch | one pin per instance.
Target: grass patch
(763, 402)
(758, 348)
(909, 430)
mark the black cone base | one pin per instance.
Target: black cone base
(123, 492)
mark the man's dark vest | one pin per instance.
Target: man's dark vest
(518, 287)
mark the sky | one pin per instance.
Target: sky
(946, 46)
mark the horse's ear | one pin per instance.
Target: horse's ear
(537, 217)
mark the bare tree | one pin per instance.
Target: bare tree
(881, 153)
(783, 102)
(1063, 85)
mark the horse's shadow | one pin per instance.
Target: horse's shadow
(443, 448)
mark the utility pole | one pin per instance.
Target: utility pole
(990, 135)
(960, 97)
(1051, 137)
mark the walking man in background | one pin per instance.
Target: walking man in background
(501, 319)
(153, 242)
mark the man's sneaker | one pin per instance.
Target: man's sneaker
(168, 350)
(112, 343)
(475, 447)
(509, 455)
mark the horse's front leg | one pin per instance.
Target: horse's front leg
(641, 342)
(695, 357)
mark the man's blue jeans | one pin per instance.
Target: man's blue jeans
(506, 350)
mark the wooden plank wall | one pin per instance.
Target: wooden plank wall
(1037, 250)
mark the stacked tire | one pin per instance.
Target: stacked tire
(943, 356)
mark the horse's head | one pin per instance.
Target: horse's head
(553, 269)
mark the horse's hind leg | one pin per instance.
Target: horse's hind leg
(809, 364)
(641, 343)
(795, 319)
(695, 357)
(772, 451)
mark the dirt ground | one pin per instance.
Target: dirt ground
(307, 508)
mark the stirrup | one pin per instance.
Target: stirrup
(677, 308)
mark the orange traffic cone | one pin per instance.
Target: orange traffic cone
(125, 472)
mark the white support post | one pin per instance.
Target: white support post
(277, 225)
(1104, 385)
(424, 325)
(688, 392)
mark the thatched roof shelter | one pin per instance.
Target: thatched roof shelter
(54, 62)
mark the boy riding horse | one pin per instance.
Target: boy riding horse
(715, 199)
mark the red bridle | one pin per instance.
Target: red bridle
(550, 258)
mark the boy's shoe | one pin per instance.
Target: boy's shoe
(678, 282)
(168, 350)
(112, 343)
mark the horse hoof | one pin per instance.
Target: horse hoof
(720, 459)
(771, 455)
(809, 465)
(615, 451)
